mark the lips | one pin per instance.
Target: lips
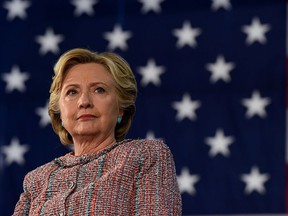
(86, 117)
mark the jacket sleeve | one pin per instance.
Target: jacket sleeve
(157, 191)
(23, 205)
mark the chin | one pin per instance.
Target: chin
(85, 132)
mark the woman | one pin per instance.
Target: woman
(92, 103)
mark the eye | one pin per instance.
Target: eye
(71, 92)
(100, 90)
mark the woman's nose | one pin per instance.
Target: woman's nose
(85, 101)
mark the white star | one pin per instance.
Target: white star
(186, 108)
(16, 8)
(256, 31)
(220, 69)
(256, 105)
(216, 4)
(44, 116)
(117, 38)
(84, 6)
(255, 181)
(14, 152)
(15, 79)
(219, 144)
(151, 5)
(49, 42)
(187, 35)
(186, 181)
(151, 73)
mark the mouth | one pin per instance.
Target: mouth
(86, 117)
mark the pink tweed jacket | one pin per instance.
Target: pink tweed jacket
(133, 177)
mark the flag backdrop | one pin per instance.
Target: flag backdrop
(211, 79)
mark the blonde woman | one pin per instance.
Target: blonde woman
(92, 104)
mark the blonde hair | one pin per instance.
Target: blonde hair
(125, 84)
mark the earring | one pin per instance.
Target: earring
(62, 124)
(119, 119)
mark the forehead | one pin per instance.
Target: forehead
(88, 72)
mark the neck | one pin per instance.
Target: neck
(84, 145)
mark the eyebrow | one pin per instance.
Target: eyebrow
(77, 85)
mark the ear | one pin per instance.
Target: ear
(121, 112)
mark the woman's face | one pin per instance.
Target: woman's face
(88, 101)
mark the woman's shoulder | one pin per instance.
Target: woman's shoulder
(146, 144)
(146, 153)
(147, 147)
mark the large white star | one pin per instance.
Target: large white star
(44, 116)
(16, 8)
(151, 73)
(256, 31)
(216, 4)
(256, 105)
(186, 181)
(220, 69)
(255, 181)
(187, 35)
(49, 42)
(151, 5)
(117, 38)
(186, 108)
(15, 79)
(84, 6)
(14, 152)
(219, 143)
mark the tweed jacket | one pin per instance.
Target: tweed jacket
(133, 177)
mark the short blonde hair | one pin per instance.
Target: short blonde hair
(125, 84)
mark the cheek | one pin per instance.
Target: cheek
(63, 112)
(64, 109)
(113, 108)
(108, 112)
